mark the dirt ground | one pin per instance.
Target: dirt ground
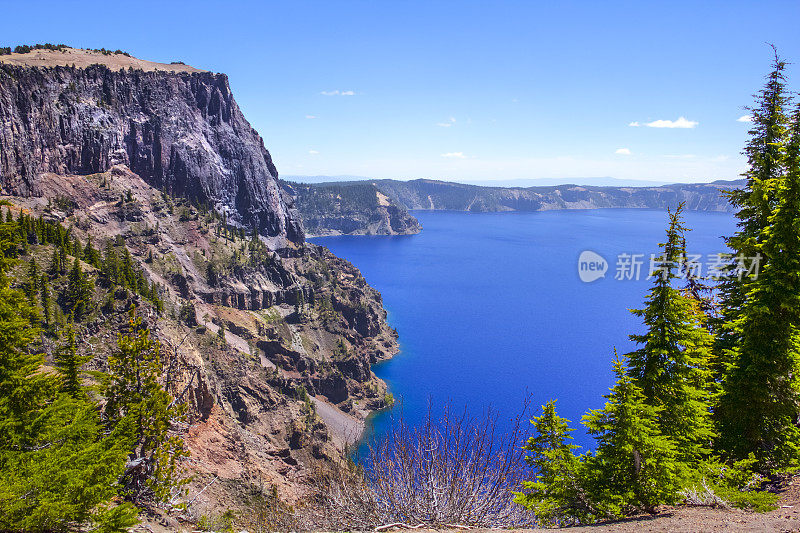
(83, 58)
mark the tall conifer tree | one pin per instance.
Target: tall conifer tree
(760, 403)
(766, 157)
(672, 364)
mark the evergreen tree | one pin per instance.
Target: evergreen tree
(55, 263)
(44, 283)
(31, 285)
(672, 365)
(62, 261)
(556, 495)
(634, 468)
(760, 403)
(69, 364)
(90, 254)
(110, 267)
(766, 157)
(134, 393)
(79, 292)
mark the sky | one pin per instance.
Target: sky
(463, 90)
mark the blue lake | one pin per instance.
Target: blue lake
(490, 307)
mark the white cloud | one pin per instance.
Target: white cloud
(681, 123)
(311, 117)
(745, 118)
(313, 152)
(337, 92)
(454, 155)
(450, 122)
(623, 151)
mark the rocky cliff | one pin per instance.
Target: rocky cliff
(357, 208)
(181, 131)
(271, 339)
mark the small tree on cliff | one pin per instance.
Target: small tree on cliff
(135, 395)
(79, 291)
(69, 364)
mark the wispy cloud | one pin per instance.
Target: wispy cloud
(450, 122)
(681, 123)
(454, 155)
(680, 156)
(311, 117)
(745, 118)
(313, 152)
(623, 151)
(337, 92)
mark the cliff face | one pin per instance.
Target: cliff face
(275, 337)
(357, 208)
(182, 132)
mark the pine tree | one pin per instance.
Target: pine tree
(110, 267)
(760, 402)
(69, 364)
(556, 495)
(634, 468)
(766, 157)
(134, 393)
(44, 283)
(62, 261)
(79, 292)
(90, 254)
(672, 366)
(55, 263)
(31, 285)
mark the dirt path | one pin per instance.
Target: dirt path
(698, 519)
(345, 428)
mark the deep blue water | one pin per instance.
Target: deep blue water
(490, 307)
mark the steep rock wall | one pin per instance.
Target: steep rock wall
(181, 132)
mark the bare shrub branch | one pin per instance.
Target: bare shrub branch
(454, 470)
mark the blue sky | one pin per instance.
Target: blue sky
(463, 90)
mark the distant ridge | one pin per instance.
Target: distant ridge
(381, 206)
(595, 181)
